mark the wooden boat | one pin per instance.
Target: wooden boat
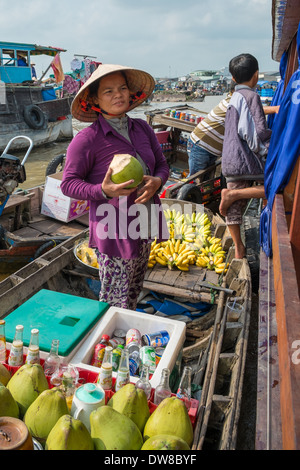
(215, 345)
(278, 392)
(26, 233)
(28, 106)
(204, 187)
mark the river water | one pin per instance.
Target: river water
(40, 157)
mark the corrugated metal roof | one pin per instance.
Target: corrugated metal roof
(285, 21)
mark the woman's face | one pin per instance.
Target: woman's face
(113, 95)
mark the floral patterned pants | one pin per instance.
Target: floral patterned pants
(122, 279)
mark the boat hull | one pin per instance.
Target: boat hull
(54, 131)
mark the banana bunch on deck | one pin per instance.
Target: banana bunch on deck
(190, 243)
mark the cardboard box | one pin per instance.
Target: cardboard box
(120, 318)
(55, 204)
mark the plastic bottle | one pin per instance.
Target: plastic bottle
(123, 375)
(134, 362)
(163, 390)
(144, 382)
(185, 386)
(116, 356)
(16, 353)
(105, 375)
(2, 341)
(33, 353)
(52, 361)
(99, 351)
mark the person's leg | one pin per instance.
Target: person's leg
(138, 274)
(199, 158)
(122, 279)
(229, 196)
(235, 232)
(234, 217)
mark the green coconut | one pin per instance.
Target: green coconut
(131, 402)
(112, 430)
(170, 417)
(126, 167)
(165, 442)
(27, 384)
(8, 405)
(44, 412)
(69, 434)
(5, 375)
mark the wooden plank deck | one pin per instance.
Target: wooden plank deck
(179, 283)
(268, 417)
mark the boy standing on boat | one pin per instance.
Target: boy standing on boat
(246, 143)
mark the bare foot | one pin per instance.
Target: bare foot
(227, 198)
(240, 251)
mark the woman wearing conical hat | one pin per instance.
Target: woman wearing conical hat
(123, 222)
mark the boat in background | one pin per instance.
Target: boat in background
(29, 106)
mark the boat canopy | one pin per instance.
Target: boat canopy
(15, 60)
(285, 20)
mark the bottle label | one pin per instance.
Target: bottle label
(15, 356)
(105, 378)
(123, 378)
(33, 356)
(2, 349)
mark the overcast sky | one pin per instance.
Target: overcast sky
(167, 38)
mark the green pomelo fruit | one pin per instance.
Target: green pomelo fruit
(69, 434)
(115, 430)
(5, 375)
(126, 167)
(131, 402)
(27, 384)
(165, 442)
(8, 405)
(44, 412)
(170, 417)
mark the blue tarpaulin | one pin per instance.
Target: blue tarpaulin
(283, 152)
(276, 100)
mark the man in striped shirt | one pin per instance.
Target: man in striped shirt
(206, 141)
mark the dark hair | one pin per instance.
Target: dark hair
(243, 67)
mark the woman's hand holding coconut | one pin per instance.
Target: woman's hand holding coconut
(151, 186)
(112, 189)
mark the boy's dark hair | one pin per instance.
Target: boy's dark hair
(243, 67)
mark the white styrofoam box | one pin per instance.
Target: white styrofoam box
(120, 318)
(55, 204)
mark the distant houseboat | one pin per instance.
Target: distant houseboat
(27, 105)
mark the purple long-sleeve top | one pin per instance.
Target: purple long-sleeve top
(88, 158)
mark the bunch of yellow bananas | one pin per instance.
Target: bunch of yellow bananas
(184, 232)
(176, 253)
(212, 256)
(190, 242)
(153, 253)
